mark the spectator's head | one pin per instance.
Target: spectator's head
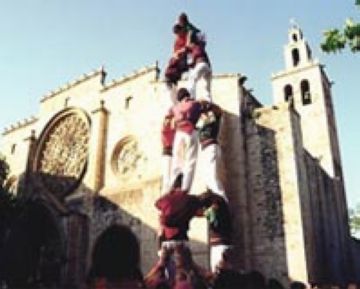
(229, 279)
(352, 285)
(182, 94)
(274, 284)
(297, 285)
(255, 280)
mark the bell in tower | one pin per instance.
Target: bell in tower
(297, 51)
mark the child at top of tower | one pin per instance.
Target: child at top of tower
(193, 33)
(178, 61)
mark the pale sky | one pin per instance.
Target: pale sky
(46, 43)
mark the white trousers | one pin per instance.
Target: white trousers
(166, 173)
(211, 154)
(184, 158)
(201, 71)
(217, 256)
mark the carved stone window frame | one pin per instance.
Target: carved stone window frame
(129, 176)
(52, 124)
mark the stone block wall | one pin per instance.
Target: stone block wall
(331, 262)
(277, 225)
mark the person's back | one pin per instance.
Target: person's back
(177, 209)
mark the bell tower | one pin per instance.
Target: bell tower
(297, 51)
(305, 84)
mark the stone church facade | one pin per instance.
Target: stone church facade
(91, 161)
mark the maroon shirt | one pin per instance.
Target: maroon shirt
(177, 209)
(186, 113)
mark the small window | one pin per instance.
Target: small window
(288, 92)
(13, 148)
(308, 52)
(128, 102)
(295, 56)
(66, 103)
(305, 92)
(294, 37)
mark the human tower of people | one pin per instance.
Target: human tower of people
(191, 120)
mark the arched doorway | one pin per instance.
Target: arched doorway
(116, 255)
(34, 249)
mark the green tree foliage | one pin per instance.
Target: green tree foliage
(354, 215)
(336, 40)
(4, 170)
(11, 205)
(7, 200)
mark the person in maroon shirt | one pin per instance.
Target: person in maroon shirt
(217, 212)
(177, 64)
(177, 208)
(208, 127)
(193, 33)
(185, 113)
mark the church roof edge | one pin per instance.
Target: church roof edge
(68, 85)
(127, 77)
(20, 124)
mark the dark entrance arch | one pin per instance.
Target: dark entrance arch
(116, 255)
(33, 254)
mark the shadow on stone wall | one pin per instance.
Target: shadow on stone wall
(332, 264)
(56, 241)
(251, 178)
(267, 245)
(264, 235)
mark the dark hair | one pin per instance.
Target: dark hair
(178, 28)
(182, 93)
(255, 280)
(297, 285)
(274, 284)
(183, 19)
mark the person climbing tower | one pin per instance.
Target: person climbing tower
(208, 127)
(185, 113)
(188, 51)
(177, 64)
(217, 212)
(194, 34)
